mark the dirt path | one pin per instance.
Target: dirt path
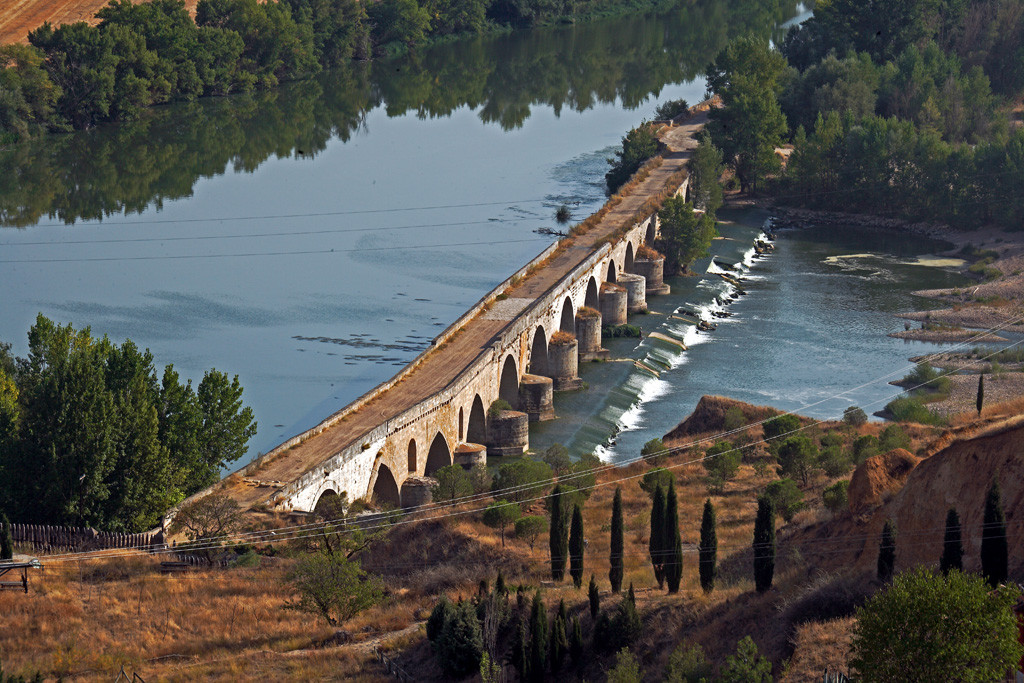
(447, 362)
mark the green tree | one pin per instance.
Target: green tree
(787, 498)
(797, 457)
(499, 514)
(576, 646)
(764, 544)
(576, 547)
(227, 426)
(453, 482)
(522, 480)
(854, 416)
(928, 627)
(685, 235)
(672, 546)
(460, 646)
(892, 437)
(887, 552)
(780, 426)
(994, 545)
(655, 478)
(594, 597)
(722, 463)
(559, 640)
(399, 21)
(708, 549)
(557, 457)
(653, 450)
(530, 527)
(747, 665)
(952, 547)
(559, 536)
(6, 539)
(980, 401)
(836, 497)
(705, 167)
(639, 145)
(751, 124)
(333, 587)
(627, 668)
(656, 540)
(443, 612)
(538, 639)
(615, 555)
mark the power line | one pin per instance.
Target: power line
(269, 253)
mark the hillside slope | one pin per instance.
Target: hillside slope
(19, 17)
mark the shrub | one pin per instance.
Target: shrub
(910, 409)
(779, 425)
(865, 447)
(926, 627)
(721, 462)
(334, 587)
(892, 437)
(561, 338)
(659, 476)
(787, 498)
(627, 668)
(588, 312)
(653, 450)
(497, 407)
(835, 461)
(747, 665)
(614, 331)
(734, 419)
(854, 416)
(671, 109)
(836, 496)
(687, 664)
(562, 214)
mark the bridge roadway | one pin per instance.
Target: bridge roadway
(443, 364)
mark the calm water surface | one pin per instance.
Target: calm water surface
(314, 239)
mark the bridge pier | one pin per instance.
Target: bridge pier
(588, 331)
(653, 271)
(469, 455)
(563, 359)
(510, 434)
(614, 301)
(636, 291)
(416, 491)
(535, 397)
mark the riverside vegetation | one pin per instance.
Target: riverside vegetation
(76, 75)
(909, 119)
(91, 436)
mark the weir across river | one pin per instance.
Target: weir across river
(519, 343)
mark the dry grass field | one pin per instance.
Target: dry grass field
(84, 621)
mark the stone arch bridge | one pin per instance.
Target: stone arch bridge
(519, 343)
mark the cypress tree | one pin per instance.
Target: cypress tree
(887, 552)
(764, 544)
(576, 642)
(538, 640)
(558, 537)
(559, 640)
(673, 543)
(615, 556)
(952, 548)
(994, 548)
(656, 544)
(521, 651)
(595, 598)
(981, 392)
(6, 539)
(708, 547)
(576, 547)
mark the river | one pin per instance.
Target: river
(315, 238)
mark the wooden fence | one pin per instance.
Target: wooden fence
(39, 538)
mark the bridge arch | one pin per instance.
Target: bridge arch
(477, 431)
(508, 386)
(462, 423)
(439, 455)
(328, 505)
(592, 300)
(627, 264)
(568, 323)
(652, 231)
(539, 353)
(611, 271)
(412, 456)
(385, 488)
